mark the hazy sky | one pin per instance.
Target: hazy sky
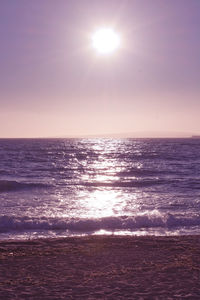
(53, 83)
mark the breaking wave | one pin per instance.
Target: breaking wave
(145, 220)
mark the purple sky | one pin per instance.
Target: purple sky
(53, 84)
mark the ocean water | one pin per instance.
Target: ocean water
(66, 187)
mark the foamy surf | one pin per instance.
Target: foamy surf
(154, 221)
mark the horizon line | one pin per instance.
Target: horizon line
(107, 136)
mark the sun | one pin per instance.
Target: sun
(105, 41)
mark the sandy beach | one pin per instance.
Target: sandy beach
(101, 267)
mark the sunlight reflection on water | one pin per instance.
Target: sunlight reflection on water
(102, 201)
(99, 194)
(125, 186)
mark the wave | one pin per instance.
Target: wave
(131, 183)
(145, 220)
(9, 185)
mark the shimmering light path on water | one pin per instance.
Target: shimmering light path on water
(59, 187)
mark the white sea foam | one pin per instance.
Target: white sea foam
(144, 220)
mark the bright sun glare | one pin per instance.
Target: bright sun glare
(105, 40)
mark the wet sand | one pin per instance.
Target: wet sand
(101, 267)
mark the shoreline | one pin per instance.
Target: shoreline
(101, 267)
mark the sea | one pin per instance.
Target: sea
(53, 188)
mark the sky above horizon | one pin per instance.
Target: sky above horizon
(52, 83)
